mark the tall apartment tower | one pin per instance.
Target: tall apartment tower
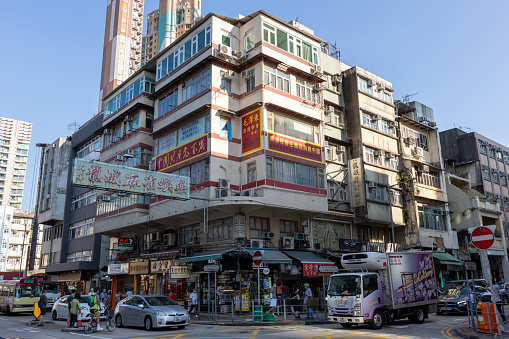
(175, 18)
(122, 44)
(14, 141)
(149, 43)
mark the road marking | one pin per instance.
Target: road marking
(446, 331)
(89, 335)
(326, 335)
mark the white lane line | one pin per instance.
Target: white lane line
(89, 335)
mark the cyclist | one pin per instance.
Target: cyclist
(95, 307)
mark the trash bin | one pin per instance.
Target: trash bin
(486, 316)
(257, 313)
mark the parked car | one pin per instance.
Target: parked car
(150, 311)
(60, 309)
(455, 298)
(503, 290)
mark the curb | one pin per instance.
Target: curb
(73, 329)
(465, 335)
(267, 323)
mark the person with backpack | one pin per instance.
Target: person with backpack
(74, 310)
(69, 301)
(43, 302)
(94, 303)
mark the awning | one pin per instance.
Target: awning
(271, 256)
(306, 257)
(204, 256)
(446, 259)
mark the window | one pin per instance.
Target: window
(335, 118)
(188, 233)
(79, 256)
(494, 175)
(482, 147)
(486, 172)
(198, 172)
(282, 40)
(506, 203)
(503, 179)
(499, 155)
(499, 202)
(396, 198)
(304, 90)
(196, 85)
(91, 150)
(336, 192)
(386, 127)
(369, 120)
(83, 199)
(491, 151)
(335, 153)
(220, 229)
(121, 200)
(225, 128)
(287, 228)
(365, 86)
(506, 157)
(431, 218)
(250, 84)
(81, 228)
(251, 172)
(290, 127)
(294, 173)
(226, 84)
(421, 140)
(249, 40)
(269, 34)
(276, 78)
(225, 40)
(430, 178)
(380, 158)
(377, 193)
(258, 226)
(167, 103)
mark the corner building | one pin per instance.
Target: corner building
(235, 104)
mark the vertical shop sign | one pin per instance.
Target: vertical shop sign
(358, 198)
(251, 131)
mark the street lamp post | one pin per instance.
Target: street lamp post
(390, 207)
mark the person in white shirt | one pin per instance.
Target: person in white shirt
(129, 293)
(498, 301)
(103, 296)
(194, 303)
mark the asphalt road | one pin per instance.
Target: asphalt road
(434, 328)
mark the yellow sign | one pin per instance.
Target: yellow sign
(37, 310)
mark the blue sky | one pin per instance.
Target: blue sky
(454, 54)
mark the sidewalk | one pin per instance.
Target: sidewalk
(469, 333)
(247, 320)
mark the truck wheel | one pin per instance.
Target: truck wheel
(377, 321)
(418, 316)
(346, 325)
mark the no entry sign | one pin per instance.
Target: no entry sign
(482, 238)
(257, 258)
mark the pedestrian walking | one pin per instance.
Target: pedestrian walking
(95, 306)
(130, 293)
(498, 301)
(70, 298)
(296, 302)
(117, 298)
(43, 302)
(194, 303)
(74, 310)
(173, 296)
(103, 296)
(273, 298)
(308, 294)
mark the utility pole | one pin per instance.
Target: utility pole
(35, 224)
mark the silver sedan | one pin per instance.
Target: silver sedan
(150, 311)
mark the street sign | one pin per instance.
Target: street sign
(470, 266)
(266, 270)
(211, 268)
(482, 238)
(257, 258)
(328, 269)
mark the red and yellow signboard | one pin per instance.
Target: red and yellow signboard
(184, 152)
(311, 269)
(251, 131)
(294, 147)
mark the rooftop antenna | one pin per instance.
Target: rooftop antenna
(73, 127)
(406, 97)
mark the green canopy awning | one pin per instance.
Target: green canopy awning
(446, 258)
(204, 256)
(308, 257)
(271, 256)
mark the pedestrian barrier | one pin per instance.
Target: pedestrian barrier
(487, 318)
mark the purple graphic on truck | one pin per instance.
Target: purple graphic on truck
(413, 277)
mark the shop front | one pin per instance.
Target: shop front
(447, 267)
(121, 282)
(74, 281)
(139, 270)
(168, 275)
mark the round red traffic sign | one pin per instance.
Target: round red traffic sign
(482, 238)
(257, 258)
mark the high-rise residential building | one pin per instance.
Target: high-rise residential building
(149, 43)
(14, 143)
(122, 44)
(175, 18)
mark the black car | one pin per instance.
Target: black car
(455, 299)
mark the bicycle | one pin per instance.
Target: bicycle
(110, 325)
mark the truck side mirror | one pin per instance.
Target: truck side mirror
(359, 291)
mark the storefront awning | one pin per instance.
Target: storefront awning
(271, 256)
(204, 256)
(446, 259)
(306, 257)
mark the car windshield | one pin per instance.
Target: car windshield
(28, 291)
(457, 291)
(345, 285)
(160, 301)
(51, 287)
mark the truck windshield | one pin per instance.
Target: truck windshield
(345, 285)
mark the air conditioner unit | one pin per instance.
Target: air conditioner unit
(248, 193)
(130, 152)
(288, 243)
(371, 82)
(409, 140)
(432, 124)
(380, 86)
(485, 143)
(155, 236)
(318, 87)
(372, 184)
(378, 152)
(336, 79)
(222, 193)
(169, 239)
(389, 155)
(341, 149)
(423, 168)
(223, 183)
(247, 74)
(229, 75)
(105, 198)
(422, 119)
(393, 124)
(329, 109)
(419, 152)
(299, 236)
(119, 157)
(242, 56)
(268, 235)
(107, 131)
(224, 51)
(146, 246)
(128, 118)
(316, 70)
(256, 243)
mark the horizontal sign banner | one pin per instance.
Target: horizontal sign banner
(185, 152)
(328, 269)
(294, 147)
(128, 179)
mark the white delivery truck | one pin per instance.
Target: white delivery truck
(378, 288)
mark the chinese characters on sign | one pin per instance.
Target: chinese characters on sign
(358, 198)
(183, 153)
(179, 272)
(125, 242)
(129, 179)
(139, 267)
(311, 269)
(294, 147)
(251, 131)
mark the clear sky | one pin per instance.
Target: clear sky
(453, 53)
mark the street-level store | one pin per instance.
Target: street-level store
(447, 267)
(168, 275)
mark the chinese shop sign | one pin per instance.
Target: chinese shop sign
(357, 182)
(139, 267)
(179, 272)
(185, 152)
(311, 270)
(294, 147)
(128, 179)
(251, 131)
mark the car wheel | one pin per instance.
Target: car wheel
(377, 321)
(418, 316)
(181, 327)
(54, 315)
(118, 321)
(346, 325)
(148, 324)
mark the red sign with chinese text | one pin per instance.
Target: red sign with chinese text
(185, 152)
(251, 131)
(311, 270)
(294, 147)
